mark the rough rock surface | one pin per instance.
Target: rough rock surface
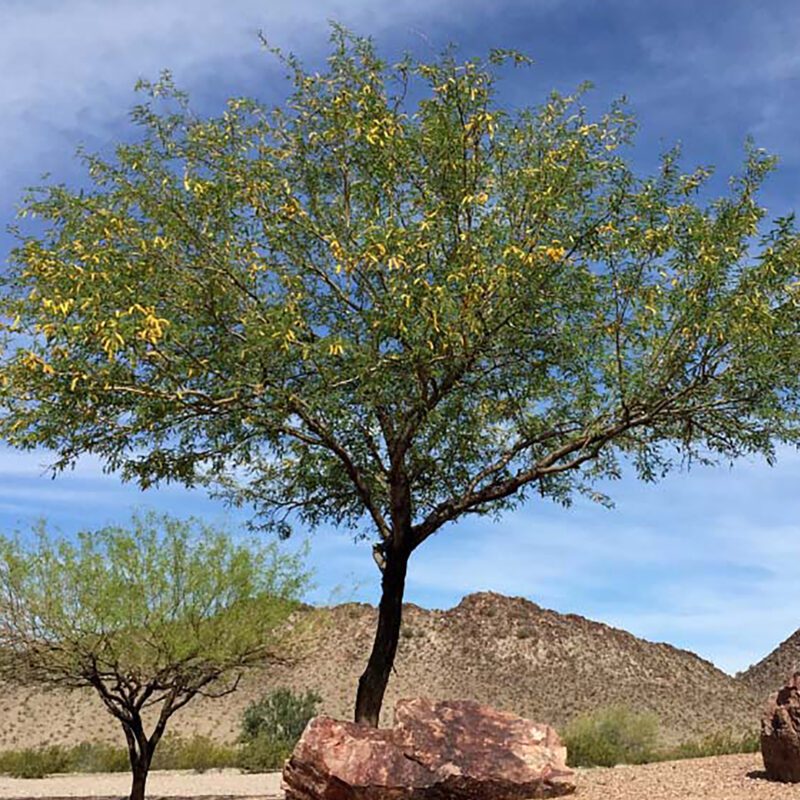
(447, 749)
(780, 733)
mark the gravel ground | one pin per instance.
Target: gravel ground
(225, 783)
(737, 777)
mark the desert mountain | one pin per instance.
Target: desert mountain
(504, 651)
(769, 674)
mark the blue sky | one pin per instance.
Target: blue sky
(707, 561)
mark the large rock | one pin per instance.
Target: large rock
(780, 733)
(435, 751)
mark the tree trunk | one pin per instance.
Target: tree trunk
(372, 684)
(139, 780)
(140, 753)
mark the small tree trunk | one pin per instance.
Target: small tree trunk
(372, 684)
(140, 754)
(139, 780)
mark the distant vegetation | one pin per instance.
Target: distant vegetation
(198, 753)
(620, 735)
(272, 726)
(270, 729)
(612, 735)
(717, 744)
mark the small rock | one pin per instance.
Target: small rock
(780, 733)
(450, 749)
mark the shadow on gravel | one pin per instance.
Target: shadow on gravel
(760, 775)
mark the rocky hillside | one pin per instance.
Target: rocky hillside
(504, 651)
(769, 674)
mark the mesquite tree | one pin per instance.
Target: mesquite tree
(149, 617)
(391, 302)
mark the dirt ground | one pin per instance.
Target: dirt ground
(226, 783)
(737, 777)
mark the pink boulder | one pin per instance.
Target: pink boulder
(780, 733)
(451, 749)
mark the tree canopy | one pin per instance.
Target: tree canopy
(149, 617)
(391, 301)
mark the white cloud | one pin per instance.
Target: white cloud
(25, 464)
(67, 69)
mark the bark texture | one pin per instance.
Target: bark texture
(372, 684)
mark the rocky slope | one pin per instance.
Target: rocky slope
(769, 674)
(504, 651)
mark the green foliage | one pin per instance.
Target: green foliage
(272, 726)
(85, 757)
(198, 753)
(98, 757)
(611, 735)
(281, 714)
(35, 762)
(150, 616)
(715, 744)
(620, 735)
(394, 289)
(167, 603)
(391, 302)
(264, 754)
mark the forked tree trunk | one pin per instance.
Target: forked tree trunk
(372, 684)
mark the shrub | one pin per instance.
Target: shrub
(715, 744)
(264, 754)
(98, 757)
(35, 762)
(609, 736)
(198, 753)
(272, 726)
(279, 715)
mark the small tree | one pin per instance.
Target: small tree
(149, 618)
(392, 303)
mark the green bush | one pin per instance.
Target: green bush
(715, 744)
(272, 726)
(35, 762)
(611, 735)
(198, 753)
(281, 714)
(620, 735)
(263, 754)
(98, 757)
